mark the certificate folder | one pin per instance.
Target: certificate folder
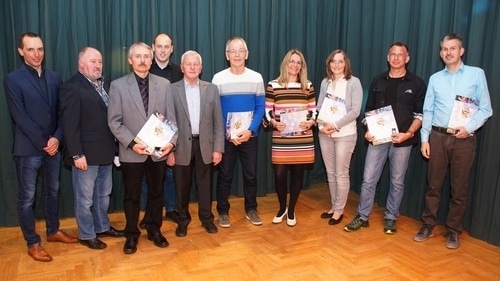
(155, 133)
(381, 124)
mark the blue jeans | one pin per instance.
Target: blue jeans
(27, 171)
(376, 156)
(337, 154)
(92, 189)
(247, 153)
(168, 191)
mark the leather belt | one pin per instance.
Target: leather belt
(195, 137)
(443, 130)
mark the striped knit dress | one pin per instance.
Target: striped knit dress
(298, 149)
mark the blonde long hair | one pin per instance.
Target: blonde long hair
(283, 78)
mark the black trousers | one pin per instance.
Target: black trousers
(132, 178)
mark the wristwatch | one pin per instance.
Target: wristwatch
(76, 157)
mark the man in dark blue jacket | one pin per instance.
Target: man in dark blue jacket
(32, 98)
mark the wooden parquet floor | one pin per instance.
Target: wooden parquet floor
(312, 250)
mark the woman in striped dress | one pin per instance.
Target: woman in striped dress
(291, 110)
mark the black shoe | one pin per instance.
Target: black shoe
(142, 224)
(112, 232)
(93, 243)
(172, 215)
(326, 215)
(130, 246)
(181, 231)
(158, 239)
(333, 221)
(210, 227)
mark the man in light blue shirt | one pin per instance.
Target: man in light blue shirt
(457, 103)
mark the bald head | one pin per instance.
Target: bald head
(162, 48)
(90, 63)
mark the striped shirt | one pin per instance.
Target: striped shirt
(297, 149)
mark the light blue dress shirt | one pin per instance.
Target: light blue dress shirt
(444, 86)
(193, 102)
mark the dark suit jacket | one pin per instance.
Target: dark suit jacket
(84, 121)
(211, 124)
(35, 115)
(126, 114)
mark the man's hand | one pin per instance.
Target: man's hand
(52, 146)
(400, 137)
(166, 149)
(369, 136)
(425, 148)
(461, 133)
(171, 159)
(81, 163)
(141, 149)
(243, 137)
(216, 157)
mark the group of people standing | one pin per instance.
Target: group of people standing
(98, 121)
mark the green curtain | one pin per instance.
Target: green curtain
(364, 29)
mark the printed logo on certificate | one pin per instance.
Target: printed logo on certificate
(156, 133)
(292, 118)
(332, 109)
(464, 109)
(381, 124)
(238, 122)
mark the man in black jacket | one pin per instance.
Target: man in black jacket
(90, 147)
(405, 92)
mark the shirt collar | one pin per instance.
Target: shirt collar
(139, 78)
(33, 70)
(187, 85)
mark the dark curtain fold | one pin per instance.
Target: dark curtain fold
(364, 29)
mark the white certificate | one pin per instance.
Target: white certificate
(463, 110)
(292, 119)
(238, 122)
(332, 109)
(381, 124)
(155, 133)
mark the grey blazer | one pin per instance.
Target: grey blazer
(211, 124)
(126, 114)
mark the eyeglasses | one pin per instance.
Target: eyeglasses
(295, 62)
(234, 52)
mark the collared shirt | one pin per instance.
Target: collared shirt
(444, 86)
(40, 79)
(138, 78)
(99, 88)
(193, 102)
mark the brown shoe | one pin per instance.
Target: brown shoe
(38, 253)
(61, 236)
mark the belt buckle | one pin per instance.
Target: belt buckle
(451, 131)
